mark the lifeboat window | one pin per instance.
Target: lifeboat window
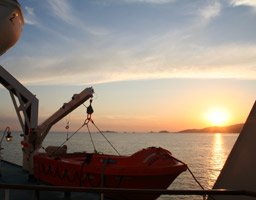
(109, 161)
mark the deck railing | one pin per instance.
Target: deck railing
(68, 190)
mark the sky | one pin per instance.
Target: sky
(154, 64)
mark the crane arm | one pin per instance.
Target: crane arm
(25, 103)
(26, 106)
(76, 101)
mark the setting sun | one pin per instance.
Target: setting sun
(217, 117)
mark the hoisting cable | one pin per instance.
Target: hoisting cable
(89, 119)
(91, 138)
(68, 139)
(105, 137)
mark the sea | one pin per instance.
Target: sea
(204, 153)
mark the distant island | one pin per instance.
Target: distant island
(163, 131)
(109, 131)
(236, 128)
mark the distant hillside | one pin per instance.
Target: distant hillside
(216, 129)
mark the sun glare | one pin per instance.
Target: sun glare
(217, 117)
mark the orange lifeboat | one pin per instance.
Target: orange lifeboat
(150, 168)
(11, 24)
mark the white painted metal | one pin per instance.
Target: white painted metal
(26, 106)
(76, 101)
(238, 172)
(27, 109)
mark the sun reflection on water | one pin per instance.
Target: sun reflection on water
(217, 158)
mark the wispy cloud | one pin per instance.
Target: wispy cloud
(227, 61)
(149, 1)
(210, 11)
(182, 51)
(136, 1)
(243, 3)
(30, 17)
(63, 10)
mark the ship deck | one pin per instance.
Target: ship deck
(12, 174)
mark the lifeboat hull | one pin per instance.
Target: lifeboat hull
(151, 168)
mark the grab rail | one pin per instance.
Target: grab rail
(68, 190)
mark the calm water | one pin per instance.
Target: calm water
(205, 154)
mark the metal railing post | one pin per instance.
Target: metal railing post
(101, 196)
(67, 195)
(36, 195)
(6, 194)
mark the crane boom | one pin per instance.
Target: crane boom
(26, 106)
(77, 100)
(25, 103)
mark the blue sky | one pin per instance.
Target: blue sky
(178, 47)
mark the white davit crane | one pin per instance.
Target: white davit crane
(26, 106)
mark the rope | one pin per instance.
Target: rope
(68, 139)
(105, 137)
(199, 184)
(91, 138)
(195, 178)
(192, 174)
(89, 119)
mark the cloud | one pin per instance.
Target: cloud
(63, 10)
(137, 1)
(30, 17)
(225, 61)
(243, 3)
(210, 11)
(150, 1)
(181, 52)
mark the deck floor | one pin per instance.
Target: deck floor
(14, 174)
